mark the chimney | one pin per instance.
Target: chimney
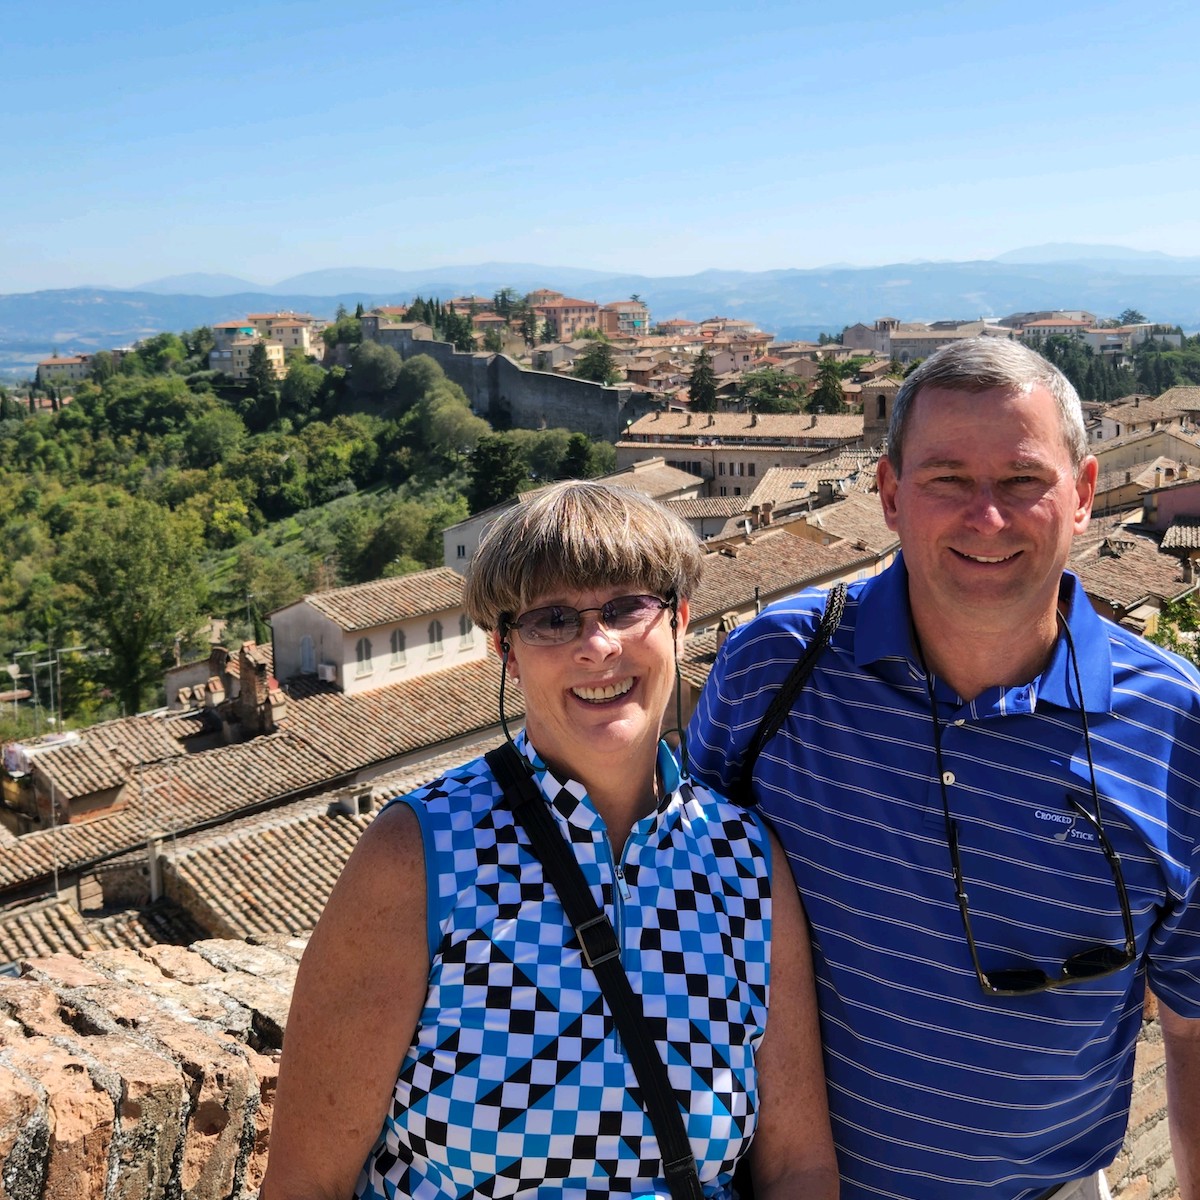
(689, 419)
(712, 420)
(767, 509)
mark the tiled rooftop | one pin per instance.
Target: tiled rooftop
(1123, 568)
(741, 427)
(859, 519)
(328, 735)
(774, 561)
(272, 873)
(57, 926)
(383, 601)
(1183, 534)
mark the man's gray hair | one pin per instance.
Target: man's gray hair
(978, 365)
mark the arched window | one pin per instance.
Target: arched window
(308, 657)
(398, 658)
(362, 652)
(466, 636)
(435, 638)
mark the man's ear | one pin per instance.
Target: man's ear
(887, 481)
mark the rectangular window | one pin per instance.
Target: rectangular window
(750, 469)
(462, 552)
(724, 492)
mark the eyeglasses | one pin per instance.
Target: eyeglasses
(559, 623)
(1093, 963)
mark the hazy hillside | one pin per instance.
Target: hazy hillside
(790, 303)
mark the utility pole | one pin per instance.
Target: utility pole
(58, 668)
(31, 655)
(48, 663)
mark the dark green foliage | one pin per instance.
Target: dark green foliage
(496, 472)
(136, 587)
(598, 364)
(702, 386)
(828, 396)
(374, 370)
(771, 391)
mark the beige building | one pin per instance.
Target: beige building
(625, 318)
(375, 634)
(732, 451)
(567, 317)
(60, 369)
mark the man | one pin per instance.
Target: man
(990, 800)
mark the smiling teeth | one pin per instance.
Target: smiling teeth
(980, 558)
(604, 693)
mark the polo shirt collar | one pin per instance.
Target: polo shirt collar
(883, 630)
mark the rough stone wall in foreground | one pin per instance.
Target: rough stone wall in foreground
(143, 1075)
(133, 1076)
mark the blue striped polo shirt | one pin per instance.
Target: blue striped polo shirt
(936, 1089)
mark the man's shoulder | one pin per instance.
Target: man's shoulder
(1160, 668)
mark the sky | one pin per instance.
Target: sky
(264, 139)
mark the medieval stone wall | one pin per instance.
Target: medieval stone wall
(150, 1075)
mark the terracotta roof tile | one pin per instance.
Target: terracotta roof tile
(383, 601)
(776, 563)
(327, 737)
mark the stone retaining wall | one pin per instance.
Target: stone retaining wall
(139, 1075)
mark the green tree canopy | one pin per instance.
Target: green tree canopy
(828, 396)
(1131, 316)
(598, 364)
(137, 587)
(496, 472)
(702, 386)
(374, 369)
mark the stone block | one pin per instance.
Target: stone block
(24, 1135)
(149, 1093)
(81, 1119)
(262, 961)
(181, 963)
(267, 1004)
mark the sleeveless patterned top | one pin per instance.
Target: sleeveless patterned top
(516, 1084)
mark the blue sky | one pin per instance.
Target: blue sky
(267, 139)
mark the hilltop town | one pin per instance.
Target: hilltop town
(219, 818)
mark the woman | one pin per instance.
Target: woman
(444, 1030)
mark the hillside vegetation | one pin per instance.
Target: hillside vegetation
(160, 495)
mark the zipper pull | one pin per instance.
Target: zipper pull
(625, 892)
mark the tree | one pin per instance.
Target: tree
(458, 330)
(493, 341)
(586, 459)
(260, 371)
(597, 364)
(374, 369)
(299, 392)
(828, 396)
(1131, 316)
(771, 391)
(504, 301)
(702, 387)
(215, 437)
(496, 472)
(137, 587)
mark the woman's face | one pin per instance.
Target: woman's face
(596, 702)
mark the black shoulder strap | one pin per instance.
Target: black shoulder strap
(782, 703)
(601, 952)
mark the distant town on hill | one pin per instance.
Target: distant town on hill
(792, 303)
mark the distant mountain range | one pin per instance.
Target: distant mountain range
(789, 303)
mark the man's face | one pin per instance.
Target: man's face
(986, 507)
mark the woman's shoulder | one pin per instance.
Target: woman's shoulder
(467, 785)
(734, 821)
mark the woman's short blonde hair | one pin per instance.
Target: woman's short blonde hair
(577, 536)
